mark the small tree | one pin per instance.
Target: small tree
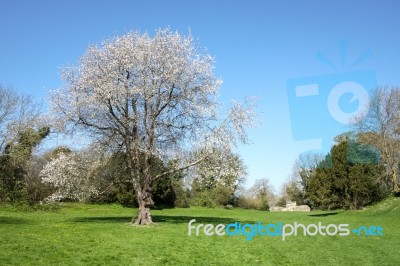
(260, 196)
(216, 179)
(264, 191)
(303, 169)
(151, 96)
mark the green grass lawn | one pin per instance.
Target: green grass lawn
(80, 234)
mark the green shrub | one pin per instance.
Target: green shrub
(260, 204)
(203, 199)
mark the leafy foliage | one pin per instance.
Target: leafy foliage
(348, 177)
(216, 179)
(13, 163)
(114, 184)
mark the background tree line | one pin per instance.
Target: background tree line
(359, 170)
(362, 166)
(148, 105)
(95, 174)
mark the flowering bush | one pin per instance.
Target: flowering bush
(72, 175)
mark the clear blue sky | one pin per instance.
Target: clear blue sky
(263, 48)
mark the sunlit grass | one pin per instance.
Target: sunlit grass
(77, 234)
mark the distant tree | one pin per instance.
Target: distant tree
(260, 196)
(263, 190)
(380, 126)
(293, 191)
(216, 179)
(303, 168)
(151, 96)
(17, 114)
(8, 103)
(20, 133)
(281, 202)
(296, 186)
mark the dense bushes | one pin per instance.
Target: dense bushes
(15, 166)
(253, 203)
(217, 195)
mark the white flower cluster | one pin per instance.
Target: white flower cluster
(71, 175)
(160, 86)
(221, 167)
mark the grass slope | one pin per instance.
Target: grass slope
(79, 234)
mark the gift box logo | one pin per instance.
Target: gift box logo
(321, 106)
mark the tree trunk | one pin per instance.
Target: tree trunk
(355, 201)
(394, 181)
(143, 215)
(145, 203)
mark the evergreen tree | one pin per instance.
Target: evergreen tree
(348, 177)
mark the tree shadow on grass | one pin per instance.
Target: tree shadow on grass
(187, 219)
(103, 219)
(13, 220)
(156, 218)
(323, 214)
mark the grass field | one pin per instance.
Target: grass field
(79, 234)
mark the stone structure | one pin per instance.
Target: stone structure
(290, 207)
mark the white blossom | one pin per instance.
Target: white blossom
(71, 175)
(151, 96)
